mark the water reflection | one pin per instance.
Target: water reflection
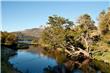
(78, 64)
(55, 62)
(31, 62)
(71, 66)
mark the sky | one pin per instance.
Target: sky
(20, 15)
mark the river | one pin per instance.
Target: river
(34, 62)
(28, 62)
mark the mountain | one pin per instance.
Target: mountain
(34, 32)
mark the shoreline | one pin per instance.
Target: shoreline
(6, 67)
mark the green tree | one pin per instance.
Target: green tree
(54, 34)
(104, 21)
(86, 23)
(8, 38)
(85, 27)
(3, 36)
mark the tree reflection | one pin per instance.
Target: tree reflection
(76, 64)
(79, 64)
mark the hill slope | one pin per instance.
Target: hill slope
(34, 32)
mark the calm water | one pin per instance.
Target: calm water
(28, 62)
(33, 62)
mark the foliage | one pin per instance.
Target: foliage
(86, 23)
(8, 38)
(34, 41)
(84, 29)
(54, 34)
(104, 21)
(100, 65)
(62, 33)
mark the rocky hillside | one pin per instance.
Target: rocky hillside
(34, 32)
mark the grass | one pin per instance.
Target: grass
(103, 67)
(104, 48)
(105, 56)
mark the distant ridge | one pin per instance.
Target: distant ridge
(33, 32)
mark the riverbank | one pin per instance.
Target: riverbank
(59, 56)
(104, 56)
(104, 67)
(6, 67)
(88, 65)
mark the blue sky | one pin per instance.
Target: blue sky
(24, 15)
